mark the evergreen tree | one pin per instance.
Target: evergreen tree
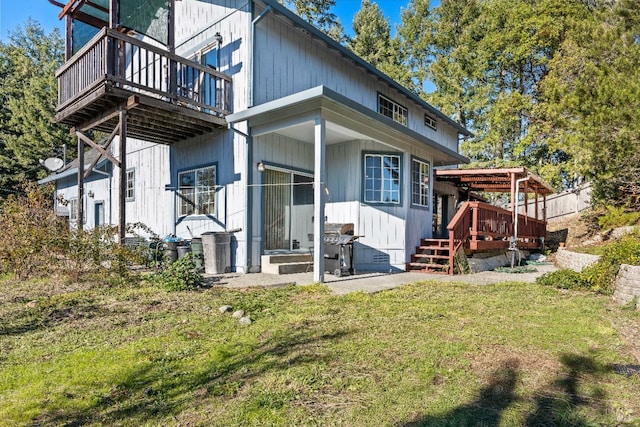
(28, 91)
(372, 41)
(318, 13)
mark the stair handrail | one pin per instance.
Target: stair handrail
(459, 230)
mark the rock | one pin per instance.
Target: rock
(238, 314)
(245, 321)
(32, 304)
(225, 308)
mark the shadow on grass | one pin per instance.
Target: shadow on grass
(557, 405)
(162, 389)
(486, 409)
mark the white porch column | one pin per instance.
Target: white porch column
(319, 175)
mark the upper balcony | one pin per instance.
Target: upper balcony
(168, 98)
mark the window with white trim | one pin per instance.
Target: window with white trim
(420, 173)
(430, 121)
(382, 178)
(197, 191)
(392, 109)
(130, 188)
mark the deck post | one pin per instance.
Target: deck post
(79, 221)
(319, 174)
(122, 207)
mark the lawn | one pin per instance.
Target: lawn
(425, 354)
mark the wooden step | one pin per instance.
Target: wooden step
(440, 243)
(424, 267)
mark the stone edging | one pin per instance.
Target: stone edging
(627, 287)
(627, 283)
(574, 260)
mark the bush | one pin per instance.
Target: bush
(38, 243)
(180, 275)
(601, 275)
(563, 279)
(33, 237)
(617, 217)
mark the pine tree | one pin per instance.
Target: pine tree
(318, 13)
(28, 91)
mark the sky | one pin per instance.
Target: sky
(16, 12)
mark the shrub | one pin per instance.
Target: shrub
(563, 279)
(33, 237)
(617, 217)
(601, 275)
(181, 275)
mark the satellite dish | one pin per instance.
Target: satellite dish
(53, 163)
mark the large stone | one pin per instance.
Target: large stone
(238, 314)
(245, 321)
(225, 308)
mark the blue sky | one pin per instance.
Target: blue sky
(16, 12)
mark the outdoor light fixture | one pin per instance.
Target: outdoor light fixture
(90, 194)
(261, 167)
(218, 37)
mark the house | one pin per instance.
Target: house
(251, 119)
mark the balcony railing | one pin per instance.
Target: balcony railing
(134, 66)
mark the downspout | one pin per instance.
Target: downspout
(252, 41)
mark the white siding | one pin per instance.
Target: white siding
(288, 61)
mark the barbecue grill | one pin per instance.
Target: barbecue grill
(338, 248)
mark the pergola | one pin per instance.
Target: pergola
(500, 180)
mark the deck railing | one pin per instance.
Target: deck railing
(479, 225)
(139, 67)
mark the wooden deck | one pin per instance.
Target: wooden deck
(168, 98)
(477, 227)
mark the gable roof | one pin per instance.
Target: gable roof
(347, 53)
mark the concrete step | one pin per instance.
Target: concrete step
(286, 263)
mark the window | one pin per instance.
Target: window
(130, 188)
(420, 183)
(392, 109)
(197, 191)
(73, 209)
(430, 121)
(382, 178)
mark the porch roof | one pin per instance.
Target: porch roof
(495, 180)
(347, 120)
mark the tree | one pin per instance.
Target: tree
(591, 101)
(373, 43)
(28, 91)
(318, 13)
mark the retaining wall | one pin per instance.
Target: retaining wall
(574, 260)
(627, 285)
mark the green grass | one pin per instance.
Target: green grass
(425, 354)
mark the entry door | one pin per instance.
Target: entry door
(98, 214)
(288, 210)
(440, 215)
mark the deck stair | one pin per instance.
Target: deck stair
(287, 263)
(432, 256)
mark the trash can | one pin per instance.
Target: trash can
(197, 253)
(217, 252)
(183, 250)
(170, 251)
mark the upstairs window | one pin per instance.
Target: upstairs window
(430, 122)
(197, 191)
(392, 109)
(382, 178)
(420, 183)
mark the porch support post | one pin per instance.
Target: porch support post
(526, 202)
(79, 221)
(514, 202)
(122, 208)
(537, 197)
(319, 180)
